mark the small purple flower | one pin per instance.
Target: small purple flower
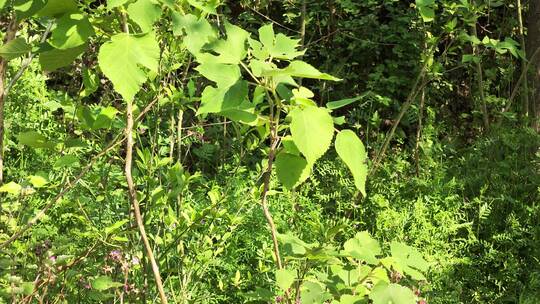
(87, 286)
(135, 261)
(279, 299)
(115, 255)
(52, 258)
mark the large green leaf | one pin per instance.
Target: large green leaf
(279, 46)
(312, 129)
(291, 169)
(215, 100)
(145, 13)
(285, 278)
(51, 59)
(125, 61)
(71, 30)
(58, 7)
(392, 294)
(231, 50)
(363, 247)
(15, 48)
(198, 31)
(2, 3)
(224, 75)
(408, 260)
(27, 8)
(351, 150)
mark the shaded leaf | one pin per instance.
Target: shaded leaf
(15, 48)
(291, 169)
(71, 30)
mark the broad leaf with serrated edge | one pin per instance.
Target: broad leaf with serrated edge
(125, 61)
(384, 293)
(285, 278)
(351, 150)
(363, 247)
(312, 129)
(291, 169)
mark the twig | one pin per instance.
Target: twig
(27, 61)
(520, 79)
(412, 95)
(273, 21)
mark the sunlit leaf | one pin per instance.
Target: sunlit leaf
(125, 60)
(351, 150)
(312, 129)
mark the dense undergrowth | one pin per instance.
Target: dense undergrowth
(450, 214)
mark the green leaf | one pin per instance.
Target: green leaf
(312, 129)
(103, 283)
(333, 105)
(125, 60)
(104, 118)
(408, 260)
(39, 180)
(114, 227)
(279, 46)
(392, 294)
(90, 82)
(285, 278)
(35, 140)
(27, 8)
(291, 169)
(115, 3)
(68, 160)
(145, 13)
(351, 150)
(215, 100)
(52, 59)
(427, 13)
(363, 247)
(71, 30)
(301, 69)
(231, 50)
(58, 7)
(15, 48)
(224, 75)
(11, 188)
(198, 30)
(2, 3)
(209, 6)
(314, 293)
(350, 299)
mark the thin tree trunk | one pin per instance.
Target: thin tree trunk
(133, 192)
(10, 35)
